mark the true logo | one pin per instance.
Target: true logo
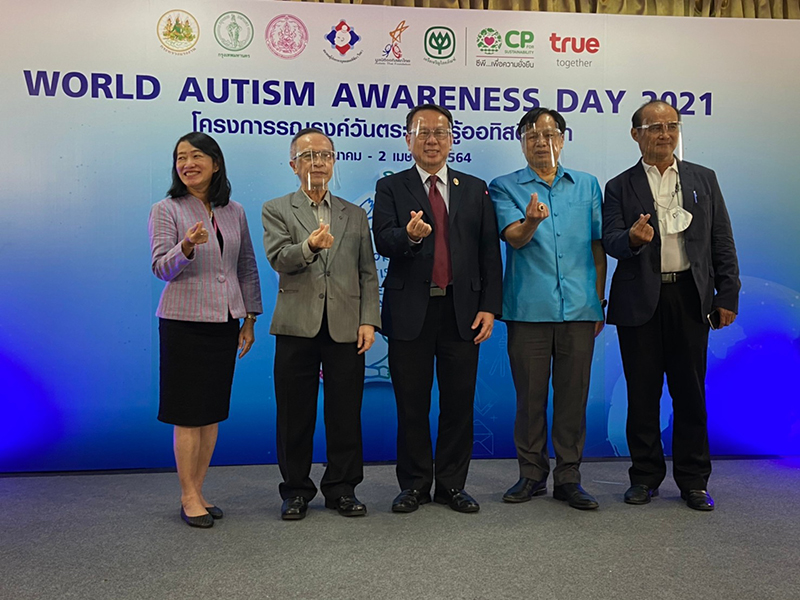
(233, 31)
(286, 36)
(178, 31)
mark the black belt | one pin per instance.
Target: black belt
(676, 277)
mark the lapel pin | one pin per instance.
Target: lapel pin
(455, 181)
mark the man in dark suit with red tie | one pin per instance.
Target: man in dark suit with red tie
(442, 292)
(666, 223)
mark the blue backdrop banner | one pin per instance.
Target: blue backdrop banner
(93, 108)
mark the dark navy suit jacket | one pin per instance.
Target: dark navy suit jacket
(474, 252)
(636, 285)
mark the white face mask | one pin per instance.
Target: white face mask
(673, 220)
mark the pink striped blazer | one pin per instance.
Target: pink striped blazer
(207, 285)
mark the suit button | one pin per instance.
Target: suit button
(221, 278)
(558, 233)
(321, 296)
(328, 274)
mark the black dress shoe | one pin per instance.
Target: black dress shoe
(215, 512)
(408, 501)
(203, 521)
(294, 509)
(347, 506)
(525, 489)
(458, 500)
(698, 499)
(575, 495)
(640, 493)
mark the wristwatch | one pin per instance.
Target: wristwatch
(603, 302)
(252, 317)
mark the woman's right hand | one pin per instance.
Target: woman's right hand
(195, 235)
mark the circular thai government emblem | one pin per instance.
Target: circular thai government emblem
(234, 31)
(178, 31)
(286, 36)
(489, 41)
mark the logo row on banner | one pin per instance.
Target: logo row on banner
(288, 37)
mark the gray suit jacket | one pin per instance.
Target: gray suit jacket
(345, 280)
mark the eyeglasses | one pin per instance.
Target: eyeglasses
(424, 134)
(548, 135)
(315, 155)
(659, 128)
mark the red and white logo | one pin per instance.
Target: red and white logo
(574, 45)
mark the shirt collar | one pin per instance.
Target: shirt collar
(441, 174)
(672, 167)
(528, 175)
(326, 199)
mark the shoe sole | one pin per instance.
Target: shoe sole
(293, 517)
(447, 503)
(512, 500)
(332, 506)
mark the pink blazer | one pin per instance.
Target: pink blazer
(208, 285)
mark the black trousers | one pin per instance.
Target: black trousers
(297, 370)
(534, 349)
(674, 342)
(411, 364)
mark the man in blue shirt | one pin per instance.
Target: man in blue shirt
(553, 301)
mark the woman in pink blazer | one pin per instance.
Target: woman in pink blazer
(201, 247)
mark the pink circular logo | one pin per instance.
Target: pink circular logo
(286, 36)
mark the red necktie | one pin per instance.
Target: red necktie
(442, 268)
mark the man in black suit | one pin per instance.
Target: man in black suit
(677, 274)
(442, 293)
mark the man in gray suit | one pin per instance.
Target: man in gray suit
(326, 314)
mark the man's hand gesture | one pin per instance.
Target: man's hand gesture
(536, 211)
(320, 238)
(417, 228)
(641, 232)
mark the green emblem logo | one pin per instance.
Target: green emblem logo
(234, 31)
(489, 41)
(440, 43)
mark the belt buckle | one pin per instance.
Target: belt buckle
(669, 277)
(436, 291)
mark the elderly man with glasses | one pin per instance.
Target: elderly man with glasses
(441, 295)
(666, 223)
(325, 319)
(553, 299)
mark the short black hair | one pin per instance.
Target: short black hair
(436, 107)
(306, 131)
(533, 115)
(636, 119)
(219, 190)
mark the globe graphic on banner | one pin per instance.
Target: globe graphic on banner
(750, 368)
